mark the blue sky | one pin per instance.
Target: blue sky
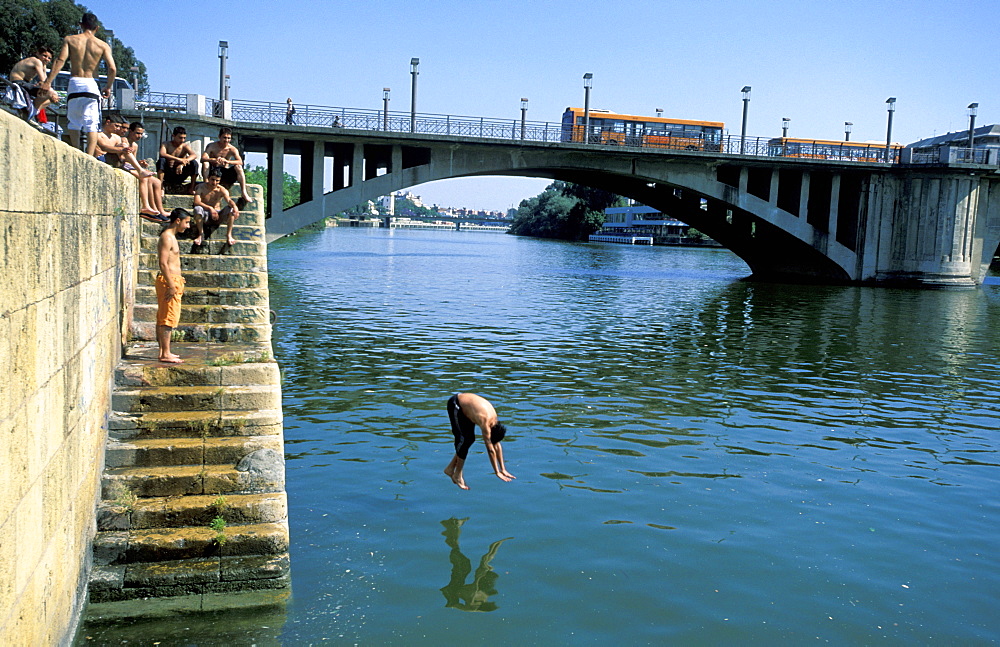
(818, 63)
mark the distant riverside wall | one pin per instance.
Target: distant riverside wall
(68, 245)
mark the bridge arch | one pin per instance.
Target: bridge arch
(695, 188)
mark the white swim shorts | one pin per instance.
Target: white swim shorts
(83, 109)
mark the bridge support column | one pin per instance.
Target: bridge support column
(804, 196)
(318, 170)
(276, 177)
(773, 193)
(831, 226)
(358, 165)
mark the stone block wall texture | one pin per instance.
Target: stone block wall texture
(68, 245)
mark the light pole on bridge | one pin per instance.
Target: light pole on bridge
(385, 109)
(659, 113)
(784, 127)
(847, 130)
(588, 82)
(524, 116)
(973, 109)
(223, 55)
(746, 104)
(891, 102)
(414, 64)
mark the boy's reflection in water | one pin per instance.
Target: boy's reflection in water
(475, 595)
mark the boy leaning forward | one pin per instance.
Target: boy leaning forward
(170, 284)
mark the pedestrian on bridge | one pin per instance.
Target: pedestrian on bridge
(466, 410)
(290, 112)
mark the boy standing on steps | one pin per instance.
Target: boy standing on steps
(169, 284)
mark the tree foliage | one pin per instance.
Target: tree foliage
(27, 24)
(563, 210)
(292, 188)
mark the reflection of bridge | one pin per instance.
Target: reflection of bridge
(934, 224)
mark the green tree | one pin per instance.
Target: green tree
(563, 210)
(28, 24)
(545, 216)
(292, 188)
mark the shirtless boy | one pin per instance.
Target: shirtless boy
(224, 156)
(169, 284)
(207, 217)
(84, 52)
(178, 161)
(466, 411)
(28, 70)
(153, 186)
(114, 149)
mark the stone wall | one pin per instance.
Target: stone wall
(68, 244)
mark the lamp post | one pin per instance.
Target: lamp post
(414, 64)
(847, 130)
(135, 78)
(226, 97)
(891, 102)
(223, 55)
(524, 116)
(659, 113)
(746, 104)
(784, 127)
(385, 109)
(973, 109)
(588, 82)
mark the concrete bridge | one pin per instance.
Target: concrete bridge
(932, 224)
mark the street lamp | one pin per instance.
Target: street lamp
(226, 96)
(847, 130)
(135, 78)
(588, 82)
(659, 113)
(524, 115)
(973, 109)
(746, 103)
(223, 55)
(784, 127)
(385, 109)
(891, 102)
(414, 64)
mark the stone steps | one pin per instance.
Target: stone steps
(210, 279)
(185, 424)
(208, 263)
(199, 441)
(148, 245)
(194, 510)
(210, 313)
(201, 295)
(154, 452)
(195, 398)
(183, 480)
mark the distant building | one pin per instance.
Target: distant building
(388, 203)
(953, 147)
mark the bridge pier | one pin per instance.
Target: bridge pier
(933, 230)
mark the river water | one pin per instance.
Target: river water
(699, 459)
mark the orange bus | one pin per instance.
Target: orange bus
(831, 149)
(608, 127)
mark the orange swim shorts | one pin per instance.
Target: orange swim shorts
(168, 311)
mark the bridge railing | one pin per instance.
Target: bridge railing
(275, 113)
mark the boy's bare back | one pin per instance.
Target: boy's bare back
(84, 52)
